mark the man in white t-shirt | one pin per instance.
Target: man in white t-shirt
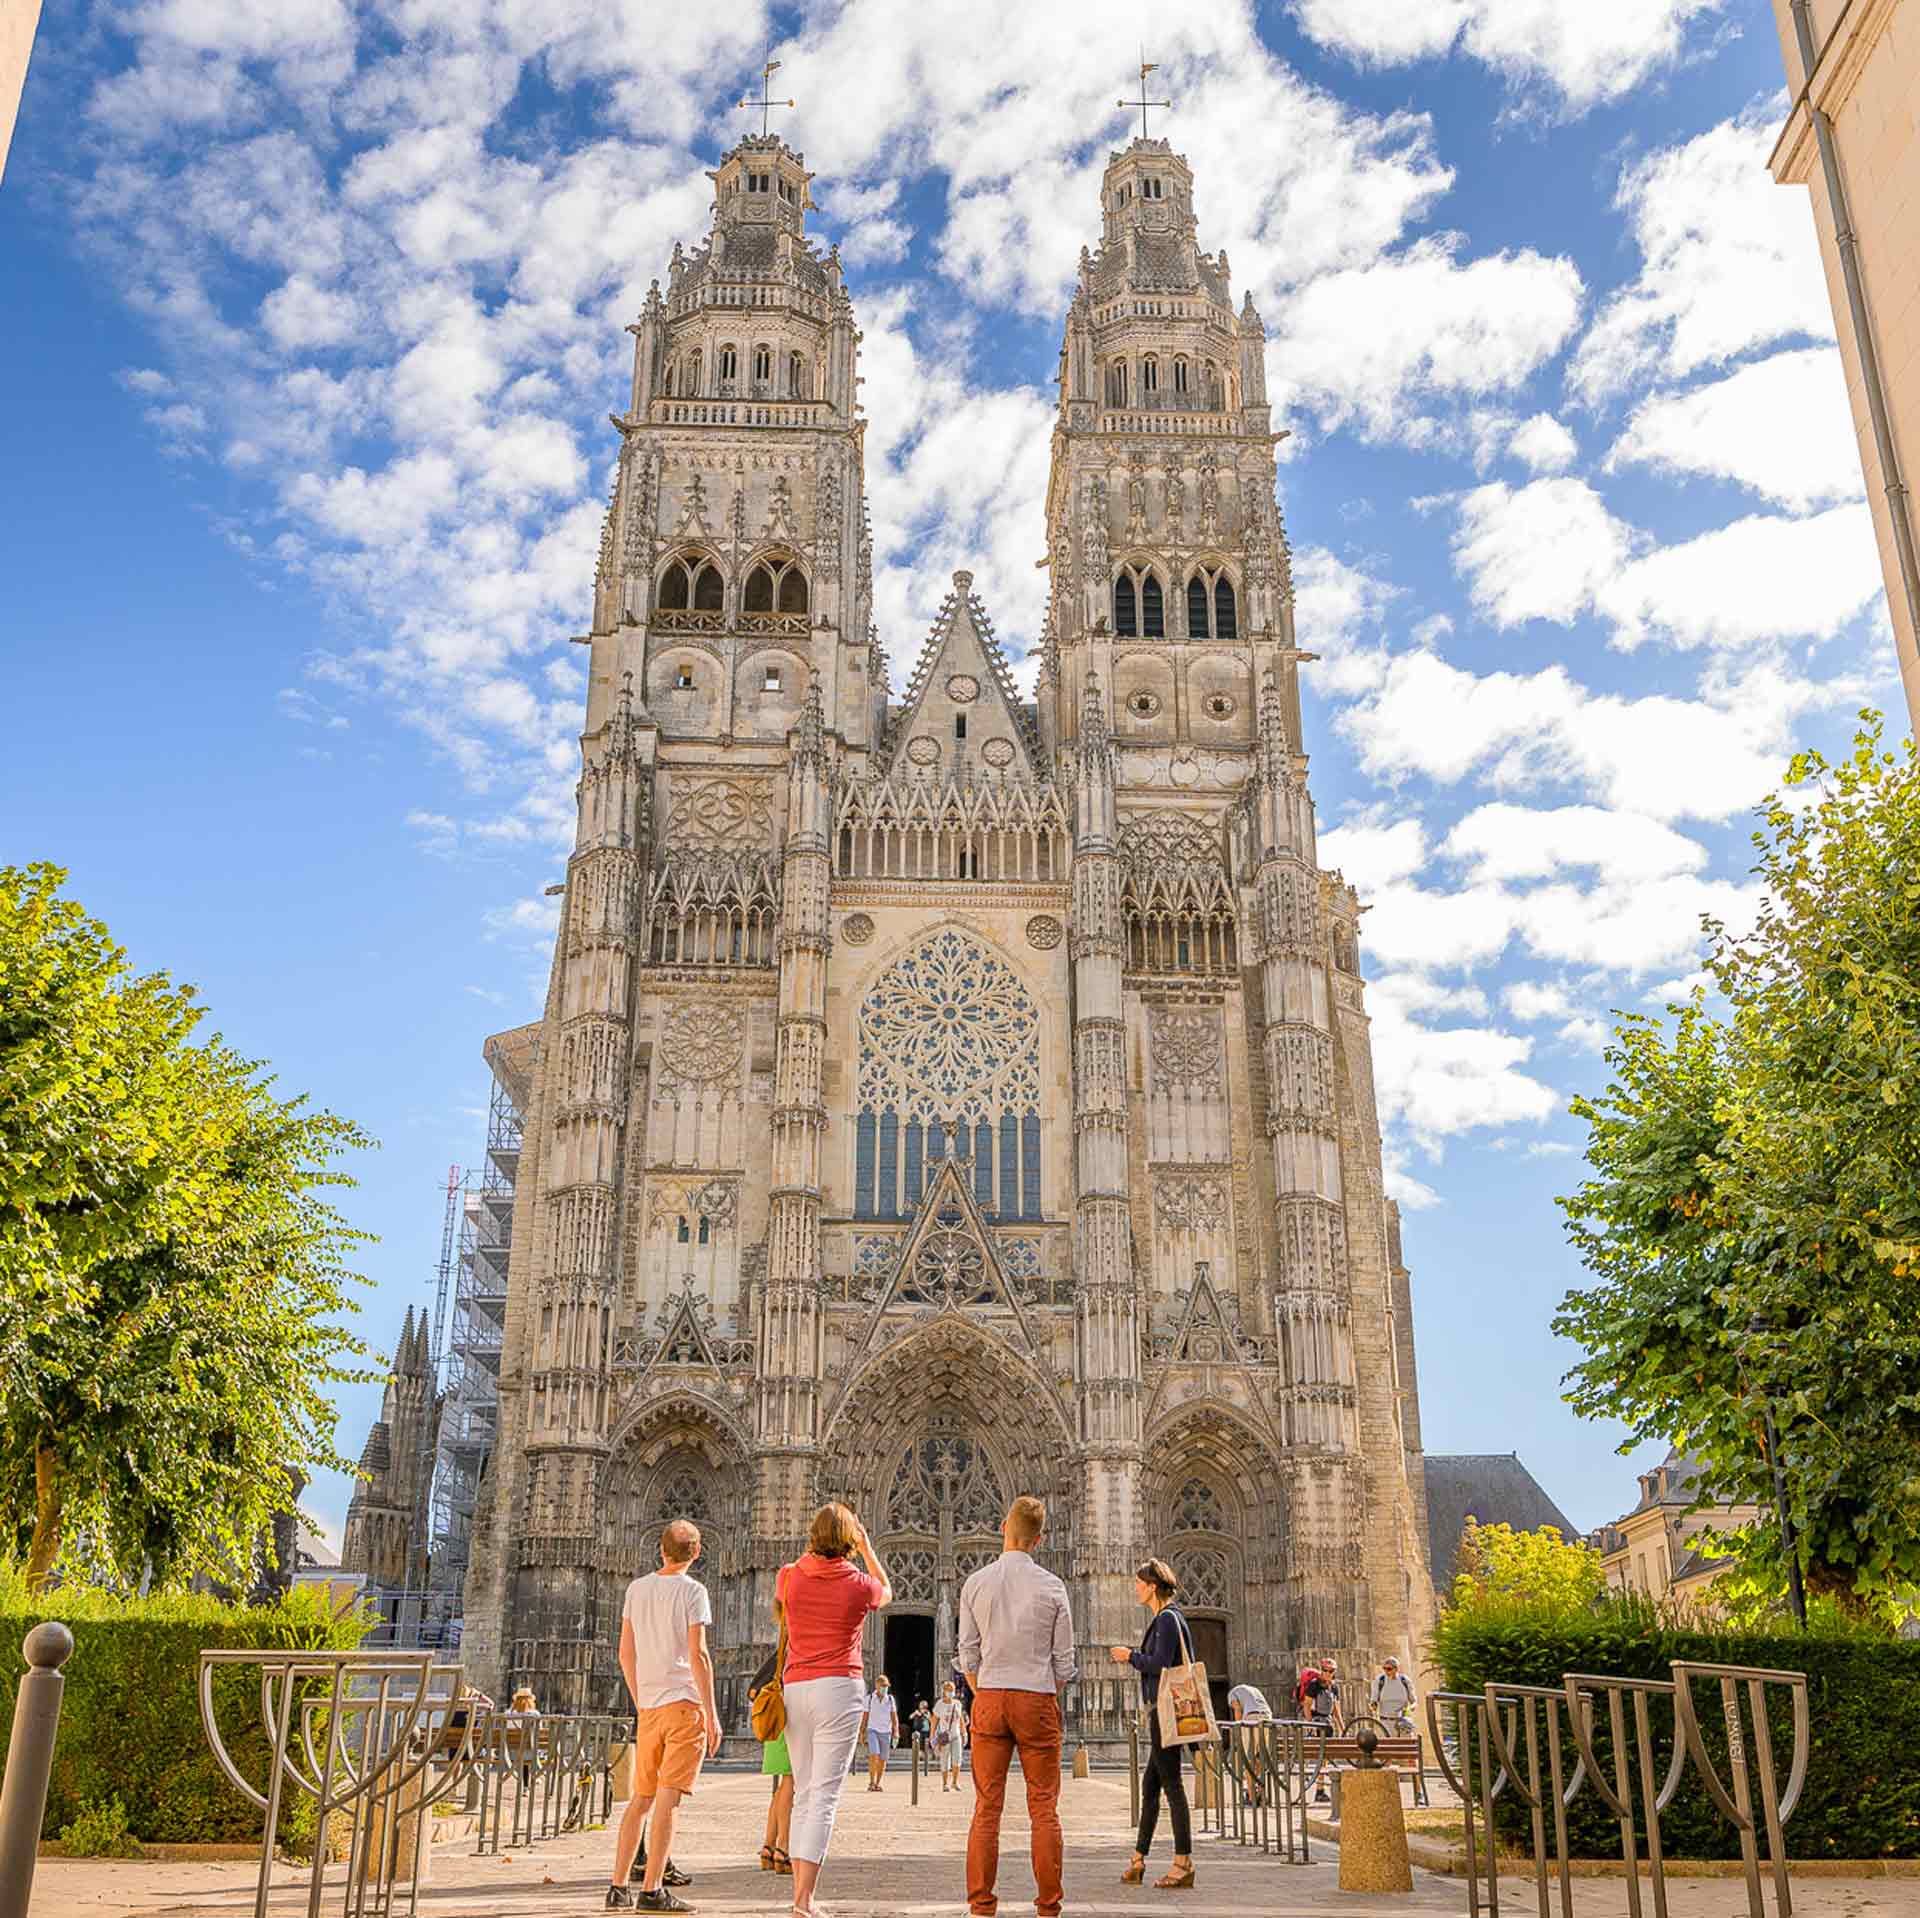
(1249, 1702)
(880, 1724)
(669, 1674)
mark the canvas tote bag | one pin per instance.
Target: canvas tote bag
(769, 1698)
(1185, 1704)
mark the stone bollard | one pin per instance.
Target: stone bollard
(23, 1798)
(1373, 1826)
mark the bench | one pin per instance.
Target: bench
(1403, 1755)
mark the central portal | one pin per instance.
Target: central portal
(908, 1661)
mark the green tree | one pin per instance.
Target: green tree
(1537, 1568)
(171, 1282)
(1752, 1211)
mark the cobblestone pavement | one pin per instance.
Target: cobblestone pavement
(890, 1857)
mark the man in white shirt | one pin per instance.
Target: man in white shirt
(1016, 1648)
(1393, 1698)
(1249, 1702)
(880, 1727)
(669, 1674)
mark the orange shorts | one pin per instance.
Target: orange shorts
(669, 1748)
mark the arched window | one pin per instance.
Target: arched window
(692, 387)
(1153, 614)
(1182, 374)
(759, 593)
(676, 589)
(1212, 607)
(1125, 619)
(1225, 615)
(797, 376)
(709, 592)
(775, 586)
(762, 364)
(1149, 375)
(1117, 383)
(792, 596)
(729, 363)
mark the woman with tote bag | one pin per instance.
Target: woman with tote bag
(1165, 1654)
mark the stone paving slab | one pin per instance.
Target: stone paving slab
(891, 1859)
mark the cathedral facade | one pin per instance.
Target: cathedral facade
(946, 1096)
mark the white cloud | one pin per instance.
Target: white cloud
(1531, 999)
(1781, 426)
(1371, 855)
(1729, 261)
(1338, 608)
(1368, 344)
(1539, 551)
(1586, 51)
(1543, 444)
(1505, 842)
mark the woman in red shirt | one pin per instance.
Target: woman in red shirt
(827, 1600)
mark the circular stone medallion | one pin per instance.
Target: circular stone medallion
(963, 689)
(998, 752)
(856, 928)
(1043, 931)
(923, 751)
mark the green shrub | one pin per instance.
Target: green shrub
(100, 1832)
(130, 1717)
(1862, 1797)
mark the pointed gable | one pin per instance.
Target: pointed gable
(684, 1339)
(961, 708)
(948, 1262)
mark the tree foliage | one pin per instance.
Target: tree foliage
(171, 1282)
(1752, 1211)
(1538, 1568)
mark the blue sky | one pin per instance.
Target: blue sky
(312, 321)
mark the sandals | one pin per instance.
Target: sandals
(1135, 1873)
(766, 1858)
(1176, 1879)
(782, 1863)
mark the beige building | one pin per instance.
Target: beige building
(945, 1096)
(1659, 1549)
(1853, 138)
(18, 21)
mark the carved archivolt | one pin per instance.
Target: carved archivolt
(717, 1201)
(700, 1050)
(1187, 1054)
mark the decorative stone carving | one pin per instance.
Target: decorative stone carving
(719, 812)
(856, 928)
(700, 1049)
(998, 753)
(923, 751)
(693, 510)
(1190, 1199)
(1043, 932)
(1186, 1052)
(963, 689)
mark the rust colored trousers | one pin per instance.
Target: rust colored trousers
(1002, 1723)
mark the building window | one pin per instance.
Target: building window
(729, 363)
(1153, 614)
(1226, 622)
(1150, 375)
(693, 583)
(1212, 609)
(1117, 383)
(1126, 621)
(705, 1228)
(680, 1233)
(763, 363)
(959, 725)
(1181, 373)
(683, 683)
(797, 376)
(757, 182)
(770, 680)
(1150, 189)
(775, 586)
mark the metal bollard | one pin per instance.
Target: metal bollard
(23, 1798)
(1133, 1769)
(916, 1769)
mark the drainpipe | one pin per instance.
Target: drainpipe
(1849, 251)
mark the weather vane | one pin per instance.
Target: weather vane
(766, 103)
(1143, 103)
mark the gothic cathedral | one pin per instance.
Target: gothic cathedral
(945, 1097)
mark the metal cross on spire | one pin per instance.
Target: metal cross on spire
(766, 103)
(1143, 103)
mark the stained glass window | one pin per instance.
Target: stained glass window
(949, 1050)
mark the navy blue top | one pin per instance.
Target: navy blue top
(1161, 1646)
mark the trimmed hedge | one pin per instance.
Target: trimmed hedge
(1862, 1798)
(130, 1715)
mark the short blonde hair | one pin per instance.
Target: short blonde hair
(680, 1542)
(834, 1531)
(1027, 1518)
(523, 1699)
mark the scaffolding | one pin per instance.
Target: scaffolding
(469, 1409)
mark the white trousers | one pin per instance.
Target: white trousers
(823, 1724)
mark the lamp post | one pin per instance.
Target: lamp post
(1796, 1591)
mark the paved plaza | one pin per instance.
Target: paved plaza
(891, 1857)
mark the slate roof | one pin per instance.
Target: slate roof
(1493, 1487)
